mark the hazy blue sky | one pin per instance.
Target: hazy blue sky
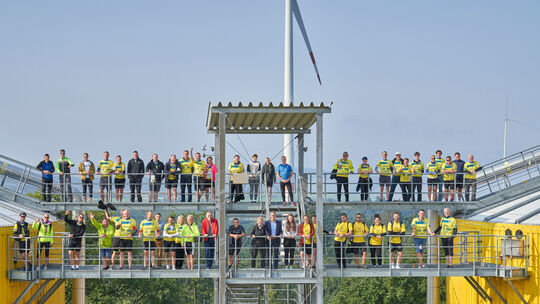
(403, 75)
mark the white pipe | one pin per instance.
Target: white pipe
(288, 78)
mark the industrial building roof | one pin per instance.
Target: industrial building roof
(523, 209)
(9, 213)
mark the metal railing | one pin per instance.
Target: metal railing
(472, 253)
(504, 256)
(491, 179)
(32, 261)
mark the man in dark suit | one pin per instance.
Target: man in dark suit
(276, 233)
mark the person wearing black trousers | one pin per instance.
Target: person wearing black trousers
(135, 171)
(376, 232)
(260, 235)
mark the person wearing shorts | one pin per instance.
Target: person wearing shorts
(170, 231)
(433, 170)
(149, 230)
(449, 171)
(105, 167)
(127, 227)
(384, 168)
(199, 175)
(236, 233)
(189, 232)
(119, 169)
(358, 245)
(155, 169)
(396, 227)
(172, 169)
(448, 230)
(105, 231)
(76, 233)
(420, 230)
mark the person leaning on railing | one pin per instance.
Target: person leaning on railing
(45, 234)
(342, 231)
(86, 171)
(47, 169)
(376, 233)
(105, 232)
(77, 228)
(21, 232)
(190, 231)
(448, 230)
(470, 177)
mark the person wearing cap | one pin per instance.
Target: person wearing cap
(363, 181)
(397, 164)
(21, 232)
(343, 167)
(384, 167)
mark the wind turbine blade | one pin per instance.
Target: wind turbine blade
(298, 16)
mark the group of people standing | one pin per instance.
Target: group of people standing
(444, 175)
(350, 238)
(189, 171)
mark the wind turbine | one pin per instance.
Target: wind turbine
(291, 8)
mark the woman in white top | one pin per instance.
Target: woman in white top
(289, 243)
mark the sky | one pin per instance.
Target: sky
(402, 75)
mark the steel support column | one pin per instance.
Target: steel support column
(319, 210)
(300, 154)
(220, 159)
(433, 283)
